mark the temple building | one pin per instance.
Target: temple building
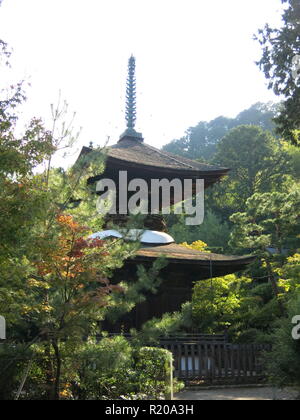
(185, 266)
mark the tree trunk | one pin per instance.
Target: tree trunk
(58, 370)
(48, 370)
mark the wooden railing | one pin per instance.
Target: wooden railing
(214, 361)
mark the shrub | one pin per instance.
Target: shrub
(116, 369)
(284, 360)
(103, 370)
(11, 367)
(154, 370)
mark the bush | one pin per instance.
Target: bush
(116, 369)
(154, 371)
(11, 366)
(284, 360)
(104, 370)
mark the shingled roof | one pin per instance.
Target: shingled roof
(200, 265)
(131, 153)
(178, 253)
(138, 152)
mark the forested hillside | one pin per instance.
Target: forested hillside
(200, 142)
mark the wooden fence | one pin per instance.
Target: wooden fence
(217, 361)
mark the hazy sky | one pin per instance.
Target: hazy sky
(194, 60)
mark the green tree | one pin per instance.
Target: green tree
(269, 227)
(280, 63)
(213, 231)
(54, 279)
(294, 159)
(289, 274)
(284, 360)
(200, 142)
(257, 161)
(215, 302)
(270, 221)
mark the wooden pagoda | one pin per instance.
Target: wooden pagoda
(185, 266)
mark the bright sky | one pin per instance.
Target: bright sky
(194, 60)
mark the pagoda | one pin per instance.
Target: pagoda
(185, 265)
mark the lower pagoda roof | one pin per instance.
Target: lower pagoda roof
(179, 253)
(181, 259)
(199, 265)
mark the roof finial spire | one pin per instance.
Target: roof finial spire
(131, 94)
(130, 114)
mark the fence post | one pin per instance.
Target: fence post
(2, 328)
(170, 393)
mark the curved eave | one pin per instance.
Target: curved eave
(194, 265)
(173, 259)
(193, 173)
(211, 174)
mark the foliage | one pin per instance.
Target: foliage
(284, 360)
(289, 274)
(103, 370)
(215, 302)
(253, 322)
(280, 49)
(213, 231)
(257, 163)
(200, 142)
(118, 370)
(54, 279)
(240, 306)
(11, 373)
(270, 221)
(294, 159)
(169, 325)
(197, 245)
(111, 369)
(148, 281)
(270, 228)
(154, 367)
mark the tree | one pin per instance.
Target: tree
(289, 274)
(54, 279)
(21, 201)
(260, 114)
(215, 303)
(70, 289)
(257, 162)
(200, 142)
(213, 231)
(283, 361)
(270, 228)
(271, 221)
(280, 63)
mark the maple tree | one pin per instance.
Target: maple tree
(71, 286)
(54, 279)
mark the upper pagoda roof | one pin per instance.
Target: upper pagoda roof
(132, 153)
(139, 153)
